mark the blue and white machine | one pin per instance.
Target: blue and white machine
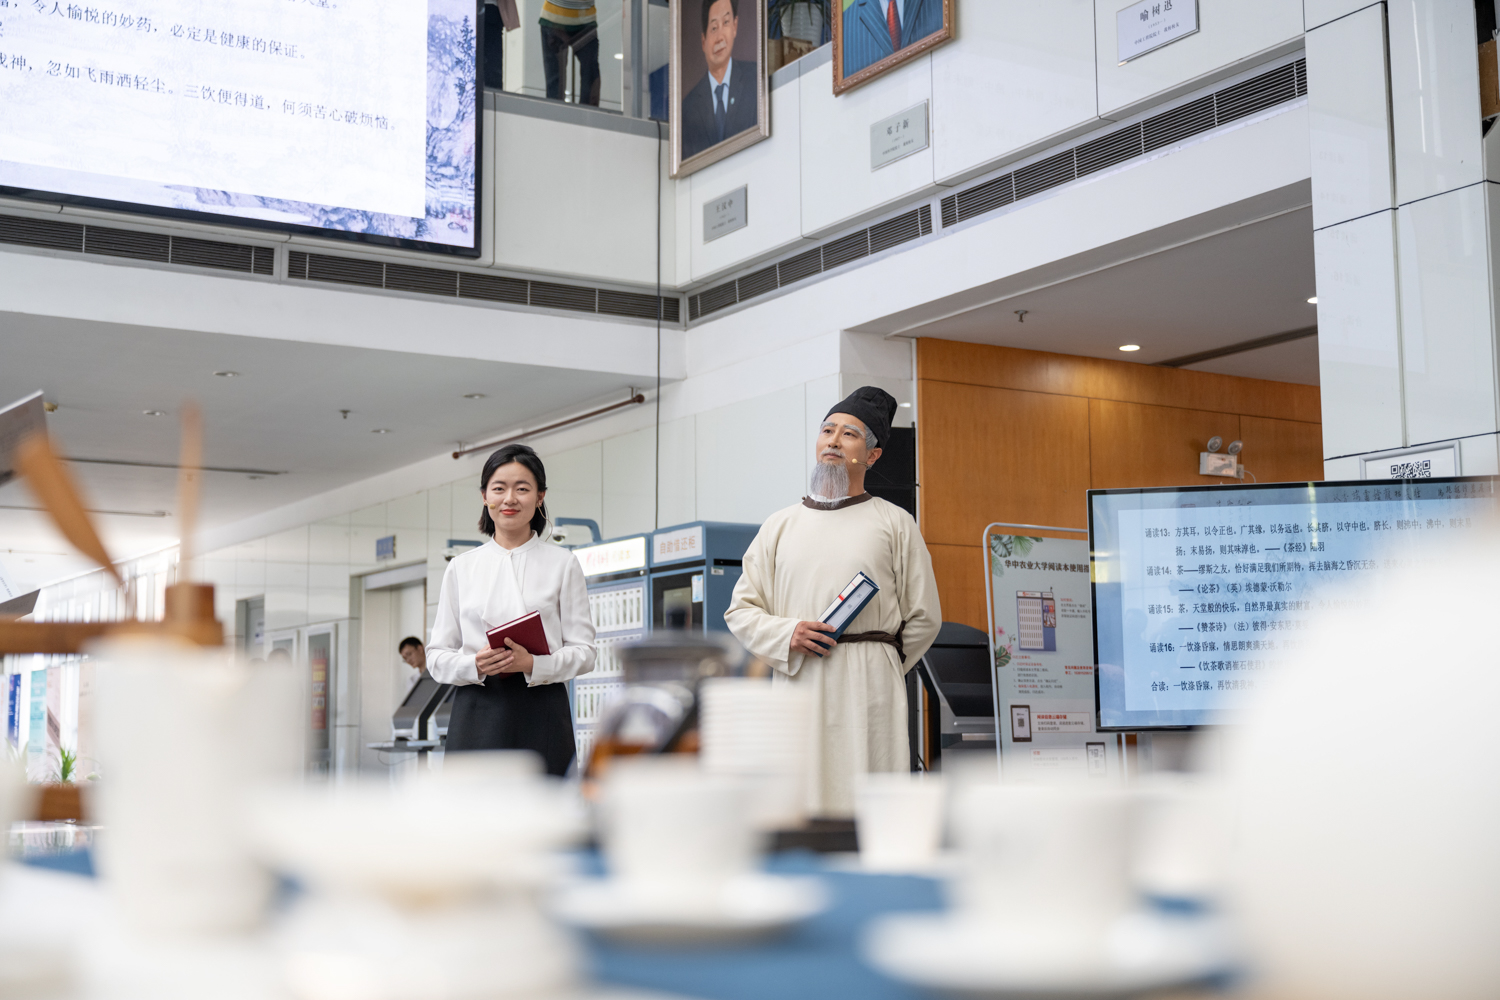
(680, 577)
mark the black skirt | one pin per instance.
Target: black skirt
(504, 713)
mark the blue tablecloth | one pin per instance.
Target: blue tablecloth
(817, 961)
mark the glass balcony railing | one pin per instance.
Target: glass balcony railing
(614, 54)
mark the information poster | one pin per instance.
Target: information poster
(1042, 641)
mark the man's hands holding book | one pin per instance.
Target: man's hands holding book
(811, 637)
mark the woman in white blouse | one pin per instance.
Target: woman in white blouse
(508, 699)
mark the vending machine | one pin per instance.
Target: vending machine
(619, 604)
(694, 568)
(680, 577)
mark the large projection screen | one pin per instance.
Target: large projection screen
(347, 118)
(1199, 591)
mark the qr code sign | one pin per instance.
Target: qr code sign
(1412, 470)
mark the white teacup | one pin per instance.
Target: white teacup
(900, 820)
(184, 736)
(1046, 865)
(673, 833)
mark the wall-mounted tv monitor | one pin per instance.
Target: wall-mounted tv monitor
(1199, 591)
(345, 118)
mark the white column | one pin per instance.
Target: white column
(1405, 230)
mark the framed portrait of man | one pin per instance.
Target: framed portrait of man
(719, 99)
(873, 36)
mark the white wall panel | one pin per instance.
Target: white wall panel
(1358, 342)
(1339, 469)
(1479, 456)
(1447, 337)
(1434, 97)
(771, 170)
(1348, 118)
(1020, 72)
(679, 471)
(752, 457)
(629, 502)
(838, 185)
(574, 201)
(1316, 12)
(1229, 31)
(575, 482)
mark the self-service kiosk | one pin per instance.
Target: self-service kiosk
(680, 577)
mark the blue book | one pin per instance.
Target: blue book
(850, 602)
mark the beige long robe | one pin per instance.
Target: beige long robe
(794, 568)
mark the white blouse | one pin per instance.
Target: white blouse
(491, 585)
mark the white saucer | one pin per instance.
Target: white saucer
(745, 909)
(958, 955)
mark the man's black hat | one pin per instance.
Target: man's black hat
(876, 408)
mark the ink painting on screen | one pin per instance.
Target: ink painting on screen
(719, 101)
(871, 37)
(357, 121)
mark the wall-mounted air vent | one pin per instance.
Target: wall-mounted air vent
(303, 266)
(51, 234)
(1285, 83)
(835, 253)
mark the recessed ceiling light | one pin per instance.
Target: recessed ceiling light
(381, 430)
(1313, 301)
(155, 413)
(473, 395)
(1130, 347)
(227, 374)
(619, 55)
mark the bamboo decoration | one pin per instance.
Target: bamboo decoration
(189, 611)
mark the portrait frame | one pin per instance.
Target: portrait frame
(843, 83)
(686, 60)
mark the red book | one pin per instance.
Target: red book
(526, 631)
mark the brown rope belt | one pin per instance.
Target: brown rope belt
(885, 637)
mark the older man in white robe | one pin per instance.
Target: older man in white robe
(799, 562)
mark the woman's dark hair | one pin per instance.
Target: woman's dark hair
(515, 453)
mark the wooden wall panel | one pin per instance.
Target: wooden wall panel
(960, 575)
(1011, 435)
(1282, 451)
(1096, 378)
(1135, 445)
(987, 453)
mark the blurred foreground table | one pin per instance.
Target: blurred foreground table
(820, 960)
(817, 961)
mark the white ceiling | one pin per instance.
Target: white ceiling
(281, 414)
(1234, 286)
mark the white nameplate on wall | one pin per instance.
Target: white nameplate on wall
(1147, 26)
(1426, 463)
(898, 136)
(675, 546)
(725, 214)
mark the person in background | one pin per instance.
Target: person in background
(510, 699)
(800, 560)
(499, 17)
(415, 655)
(571, 23)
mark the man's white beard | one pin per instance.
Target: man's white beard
(830, 481)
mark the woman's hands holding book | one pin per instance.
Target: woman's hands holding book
(513, 659)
